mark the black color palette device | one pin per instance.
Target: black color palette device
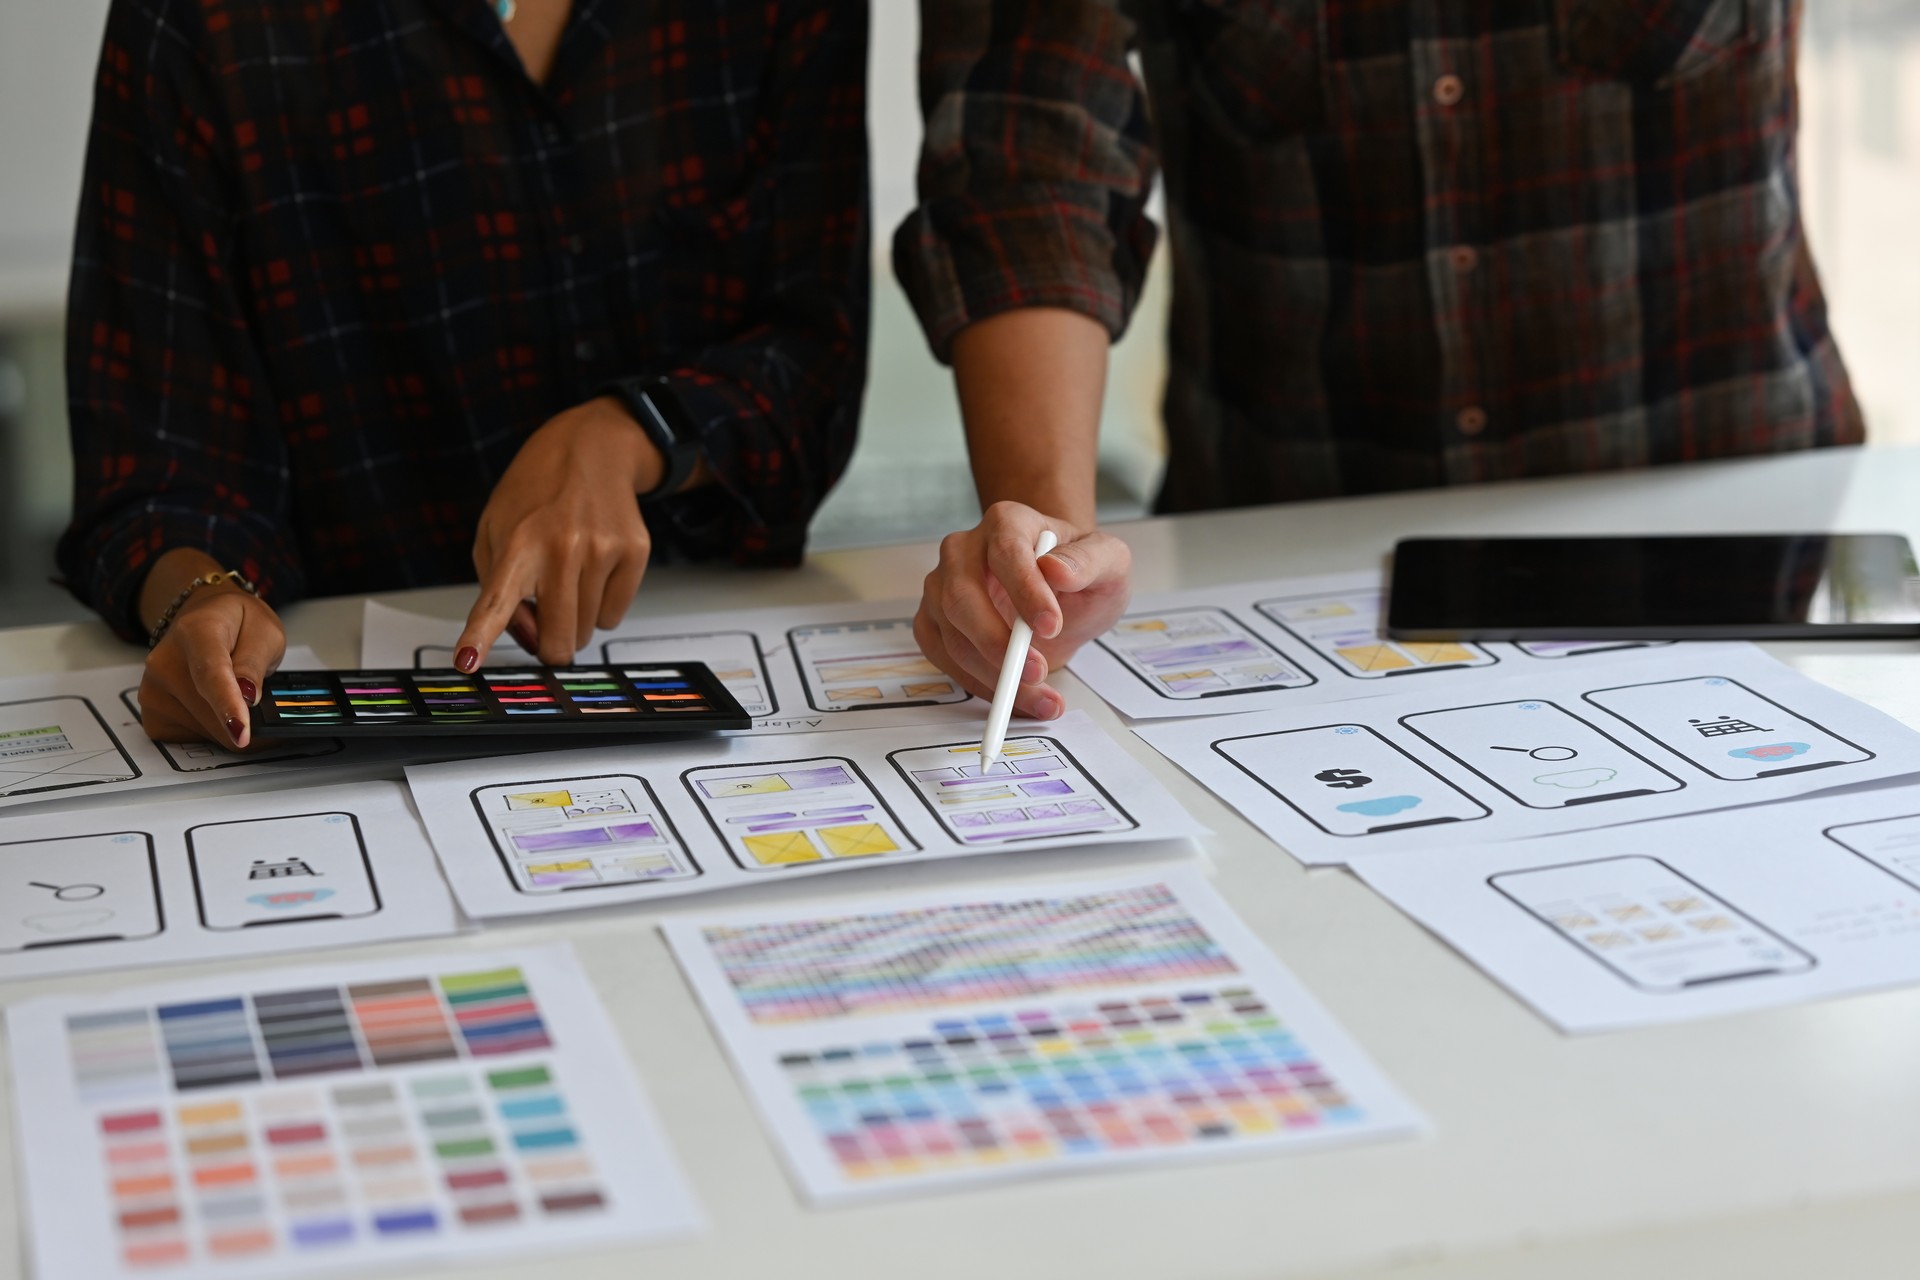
(658, 697)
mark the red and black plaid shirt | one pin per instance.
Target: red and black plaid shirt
(337, 260)
(1415, 242)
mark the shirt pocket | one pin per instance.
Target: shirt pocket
(1648, 42)
(1255, 64)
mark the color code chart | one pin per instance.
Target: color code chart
(946, 955)
(296, 1125)
(1006, 1034)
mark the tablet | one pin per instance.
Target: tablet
(1810, 586)
(658, 697)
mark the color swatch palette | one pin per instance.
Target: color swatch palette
(674, 697)
(297, 1125)
(1069, 1081)
(901, 960)
(1000, 1034)
(279, 1035)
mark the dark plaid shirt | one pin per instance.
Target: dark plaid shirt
(1414, 242)
(337, 260)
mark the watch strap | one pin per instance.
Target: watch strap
(657, 408)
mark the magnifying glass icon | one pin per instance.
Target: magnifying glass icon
(1544, 753)
(71, 892)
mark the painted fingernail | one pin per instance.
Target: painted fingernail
(235, 729)
(1035, 669)
(249, 691)
(467, 658)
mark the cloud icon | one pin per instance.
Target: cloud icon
(1772, 751)
(1383, 807)
(1577, 779)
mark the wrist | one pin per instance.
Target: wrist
(614, 437)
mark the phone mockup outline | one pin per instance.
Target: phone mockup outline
(172, 752)
(766, 704)
(1387, 806)
(269, 886)
(1163, 683)
(666, 834)
(1548, 757)
(854, 835)
(1904, 869)
(9, 749)
(999, 833)
(857, 688)
(1612, 936)
(1712, 760)
(68, 898)
(1365, 653)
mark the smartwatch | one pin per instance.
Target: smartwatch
(656, 407)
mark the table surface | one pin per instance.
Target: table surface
(1782, 1143)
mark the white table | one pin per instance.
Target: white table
(1782, 1144)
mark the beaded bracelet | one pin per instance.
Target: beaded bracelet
(234, 576)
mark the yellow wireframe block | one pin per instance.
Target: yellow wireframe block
(857, 840)
(781, 847)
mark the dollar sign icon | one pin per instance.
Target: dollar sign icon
(1346, 778)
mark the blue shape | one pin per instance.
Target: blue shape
(1383, 807)
(1771, 751)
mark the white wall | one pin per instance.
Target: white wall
(47, 53)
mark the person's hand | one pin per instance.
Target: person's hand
(203, 679)
(988, 576)
(563, 531)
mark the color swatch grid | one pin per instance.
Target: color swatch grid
(1064, 1082)
(934, 958)
(301, 700)
(256, 1158)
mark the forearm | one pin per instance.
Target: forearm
(1030, 384)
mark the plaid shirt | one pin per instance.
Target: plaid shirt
(1414, 242)
(336, 261)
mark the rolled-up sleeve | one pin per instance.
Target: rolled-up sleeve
(176, 438)
(1035, 169)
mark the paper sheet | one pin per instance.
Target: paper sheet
(795, 670)
(1291, 642)
(125, 887)
(923, 1042)
(579, 829)
(1687, 917)
(372, 1116)
(71, 734)
(1564, 748)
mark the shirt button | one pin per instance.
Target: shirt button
(1472, 421)
(1465, 259)
(584, 351)
(1449, 90)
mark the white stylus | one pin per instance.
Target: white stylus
(1010, 668)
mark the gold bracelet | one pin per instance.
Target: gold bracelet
(234, 576)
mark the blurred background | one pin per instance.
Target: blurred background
(1860, 172)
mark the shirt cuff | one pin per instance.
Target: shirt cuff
(107, 565)
(757, 510)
